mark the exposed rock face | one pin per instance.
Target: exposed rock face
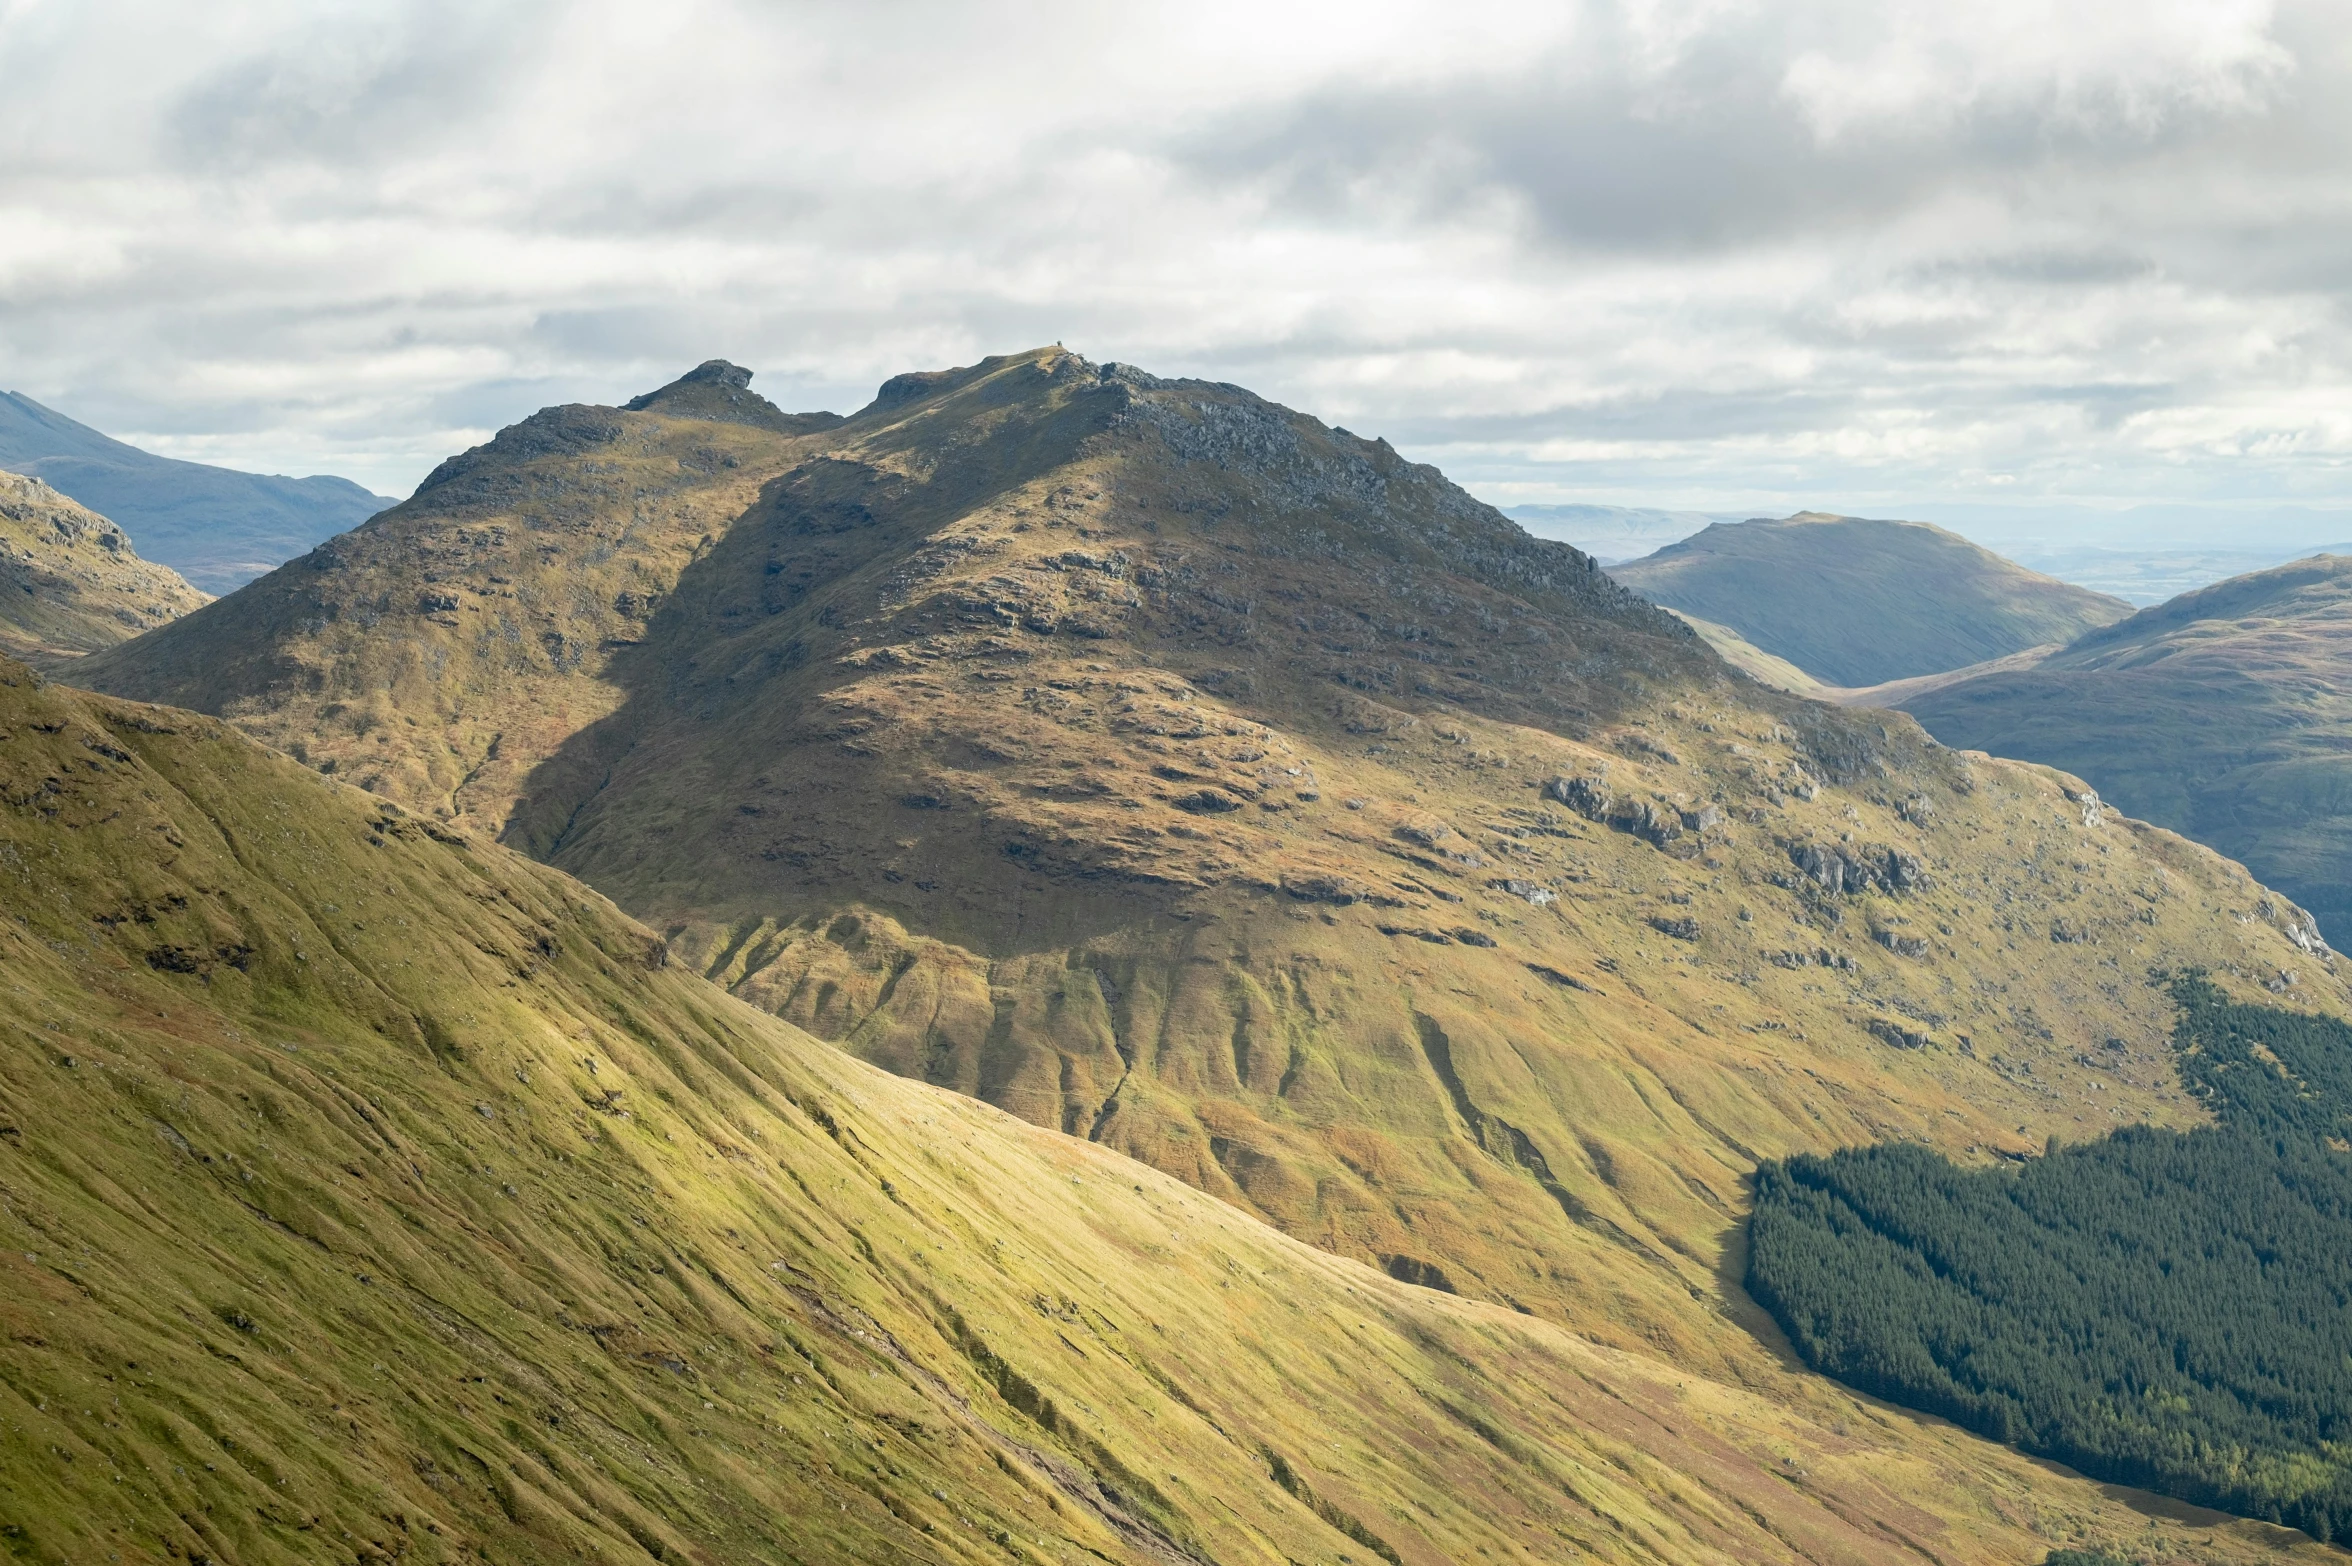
(1843, 870)
(70, 583)
(1175, 771)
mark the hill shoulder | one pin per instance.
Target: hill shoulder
(2222, 714)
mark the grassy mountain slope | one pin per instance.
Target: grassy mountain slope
(69, 581)
(1179, 773)
(216, 526)
(1856, 602)
(1755, 662)
(368, 1192)
(2222, 714)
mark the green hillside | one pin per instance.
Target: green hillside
(2223, 714)
(70, 583)
(369, 1193)
(1183, 775)
(1854, 602)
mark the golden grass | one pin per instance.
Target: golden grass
(367, 1192)
(70, 582)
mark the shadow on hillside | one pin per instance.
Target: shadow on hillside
(728, 785)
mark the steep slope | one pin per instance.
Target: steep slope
(2223, 714)
(1180, 773)
(370, 1193)
(215, 526)
(1855, 602)
(70, 582)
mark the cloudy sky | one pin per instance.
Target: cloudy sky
(1864, 254)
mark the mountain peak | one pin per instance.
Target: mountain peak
(721, 391)
(1169, 767)
(1860, 601)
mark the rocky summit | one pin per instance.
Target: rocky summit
(1185, 775)
(70, 583)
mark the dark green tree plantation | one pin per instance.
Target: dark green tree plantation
(2162, 1309)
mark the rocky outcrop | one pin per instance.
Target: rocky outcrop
(1843, 870)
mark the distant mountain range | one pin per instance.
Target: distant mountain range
(2224, 713)
(217, 527)
(2143, 555)
(1855, 602)
(1611, 534)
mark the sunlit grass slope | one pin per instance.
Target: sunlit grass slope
(369, 1193)
(70, 583)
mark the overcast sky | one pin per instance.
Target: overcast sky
(1876, 255)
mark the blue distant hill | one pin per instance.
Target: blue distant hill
(217, 527)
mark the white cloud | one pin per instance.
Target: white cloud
(1846, 252)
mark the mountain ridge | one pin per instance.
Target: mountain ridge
(218, 527)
